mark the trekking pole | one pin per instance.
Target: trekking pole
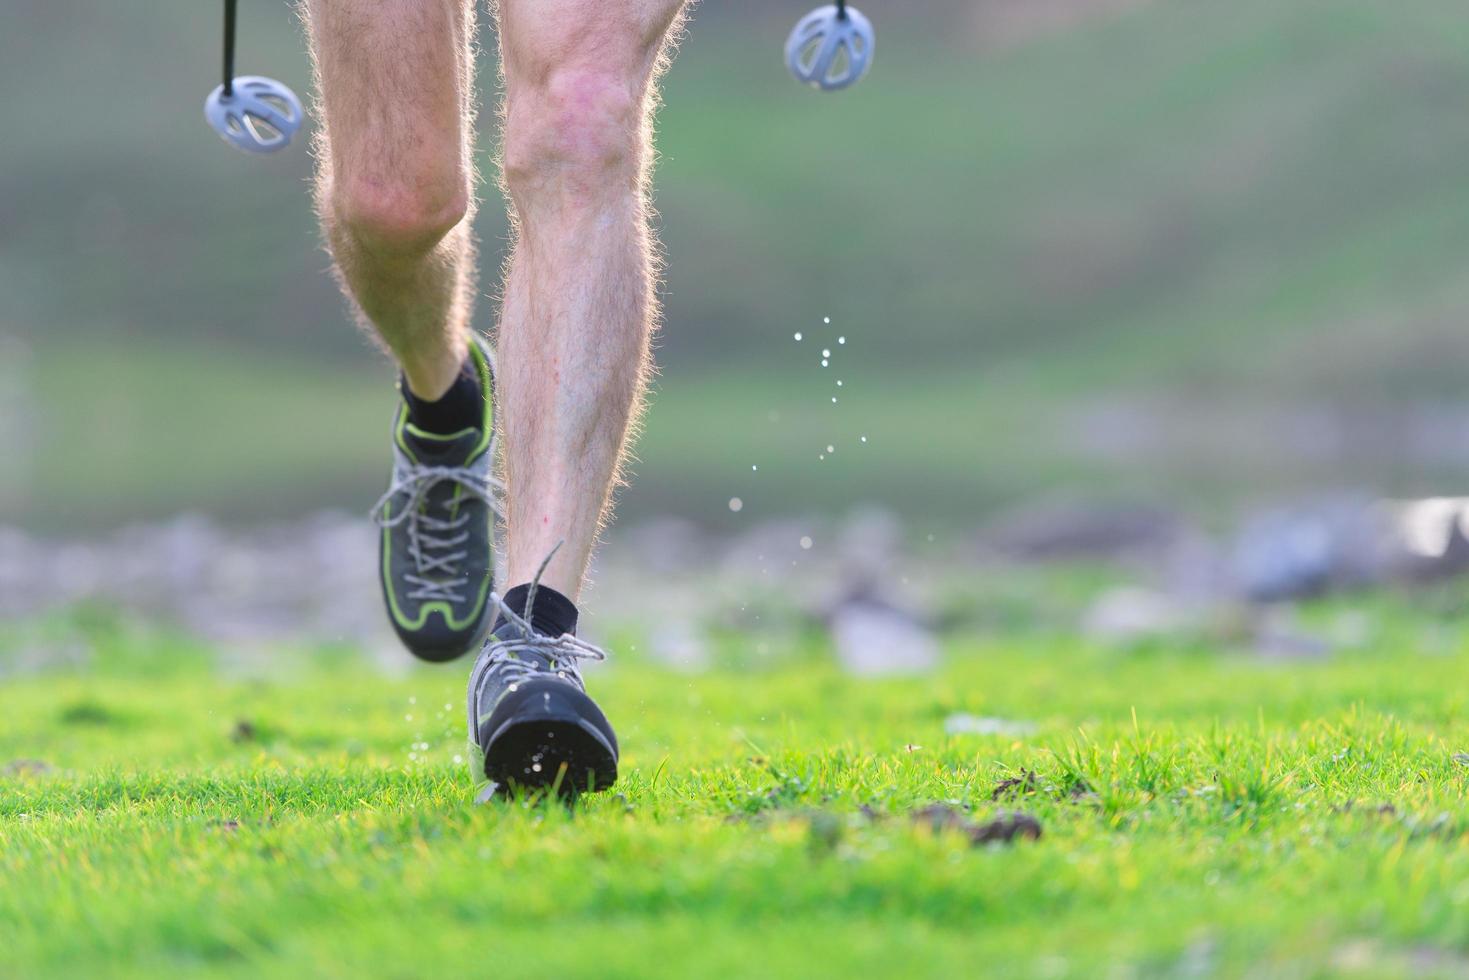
(252, 113)
(831, 47)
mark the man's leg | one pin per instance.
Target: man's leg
(579, 300)
(394, 187)
(394, 194)
(578, 313)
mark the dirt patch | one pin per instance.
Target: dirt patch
(941, 816)
(1002, 829)
(1372, 809)
(1020, 785)
(1026, 782)
(26, 767)
(88, 712)
(1006, 828)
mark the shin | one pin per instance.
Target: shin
(579, 300)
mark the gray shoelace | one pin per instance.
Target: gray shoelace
(432, 540)
(560, 654)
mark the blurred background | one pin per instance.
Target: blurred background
(1096, 278)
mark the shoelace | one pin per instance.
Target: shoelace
(427, 544)
(562, 653)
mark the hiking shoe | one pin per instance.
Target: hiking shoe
(438, 524)
(530, 715)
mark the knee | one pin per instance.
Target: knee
(403, 210)
(573, 126)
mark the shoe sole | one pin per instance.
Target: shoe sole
(560, 752)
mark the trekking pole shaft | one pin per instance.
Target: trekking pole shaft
(229, 46)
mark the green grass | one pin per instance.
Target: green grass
(1204, 813)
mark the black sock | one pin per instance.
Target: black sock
(461, 407)
(551, 615)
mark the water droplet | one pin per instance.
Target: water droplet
(754, 469)
(407, 717)
(839, 382)
(806, 544)
(833, 399)
(821, 456)
(736, 504)
(831, 449)
(824, 362)
(535, 767)
(458, 759)
(864, 438)
(798, 335)
(826, 352)
(826, 319)
(448, 706)
(841, 340)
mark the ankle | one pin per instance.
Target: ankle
(428, 377)
(459, 405)
(551, 614)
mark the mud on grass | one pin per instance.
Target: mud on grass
(1207, 815)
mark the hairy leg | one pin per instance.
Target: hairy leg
(579, 300)
(395, 173)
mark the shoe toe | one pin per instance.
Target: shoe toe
(548, 732)
(438, 642)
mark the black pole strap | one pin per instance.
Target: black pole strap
(229, 46)
(841, 9)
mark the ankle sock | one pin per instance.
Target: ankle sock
(552, 614)
(461, 407)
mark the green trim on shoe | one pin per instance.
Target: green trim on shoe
(427, 462)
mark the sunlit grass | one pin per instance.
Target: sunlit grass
(1200, 812)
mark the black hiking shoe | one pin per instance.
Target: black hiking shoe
(530, 715)
(437, 519)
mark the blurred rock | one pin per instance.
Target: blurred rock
(313, 579)
(964, 724)
(1305, 551)
(1130, 613)
(1275, 641)
(1059, 530)
(873, 639)
(1349, 543)
(256, 594)
(1428, 537)
(666, 545)
(869, 544)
